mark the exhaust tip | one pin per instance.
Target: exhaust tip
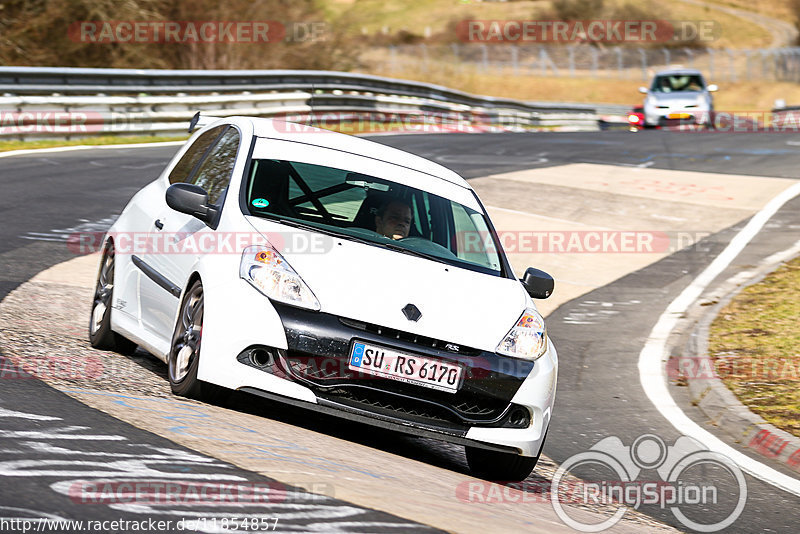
(519, 417)
(261, 357)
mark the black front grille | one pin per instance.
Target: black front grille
(318, 354)
(399, 401)
(390, 404)
(332, 379)
(409, 408)
(475, 409)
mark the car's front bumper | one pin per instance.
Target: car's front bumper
(308, 363)
(675, 116)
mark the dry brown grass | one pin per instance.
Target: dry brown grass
(732, 96)
(755, 342)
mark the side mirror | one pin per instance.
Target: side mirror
(192, 200)
(643, 90)
(713, 87)
(538, 284)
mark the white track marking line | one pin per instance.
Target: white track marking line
(27, 151)
(651, 365)
(24, 415)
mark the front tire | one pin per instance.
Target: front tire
(100, 334)
(184, 354)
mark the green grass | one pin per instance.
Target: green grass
(755, 343)
(5, 146)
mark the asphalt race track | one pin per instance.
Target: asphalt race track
(599, 334)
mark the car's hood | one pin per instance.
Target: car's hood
(372, 284)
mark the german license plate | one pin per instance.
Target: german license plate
(403, 367)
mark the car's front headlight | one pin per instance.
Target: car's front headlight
(266, 270)
(527, 339)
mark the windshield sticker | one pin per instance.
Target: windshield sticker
(260, 202)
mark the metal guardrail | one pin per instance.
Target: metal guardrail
(128, 101)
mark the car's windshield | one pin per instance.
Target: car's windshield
(675, 83)
(376, 210)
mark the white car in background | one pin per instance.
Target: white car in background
(678, 96)
(258, 262)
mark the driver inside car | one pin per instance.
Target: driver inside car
(393, 219)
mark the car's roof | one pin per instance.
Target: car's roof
(301, 133)
(678, 72)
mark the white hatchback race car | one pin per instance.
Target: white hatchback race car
(336, 274)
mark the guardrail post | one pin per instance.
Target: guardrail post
(710, 62)
(747, 56)
(731, 65)
(595, 57)
(571, 56)
(392, 58)
(667, 57)
(643, 55)
(691, 57)
(618, 51)
(544, 61)
(515, 59)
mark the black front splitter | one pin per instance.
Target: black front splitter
(351, 413)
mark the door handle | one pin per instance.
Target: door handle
(159, 224)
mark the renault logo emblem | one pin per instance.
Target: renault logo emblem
(411, 312)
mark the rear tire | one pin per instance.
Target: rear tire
(501, 466)
(184, 354)
(100, 334)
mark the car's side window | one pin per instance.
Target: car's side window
(194, 154)
(214, 173)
